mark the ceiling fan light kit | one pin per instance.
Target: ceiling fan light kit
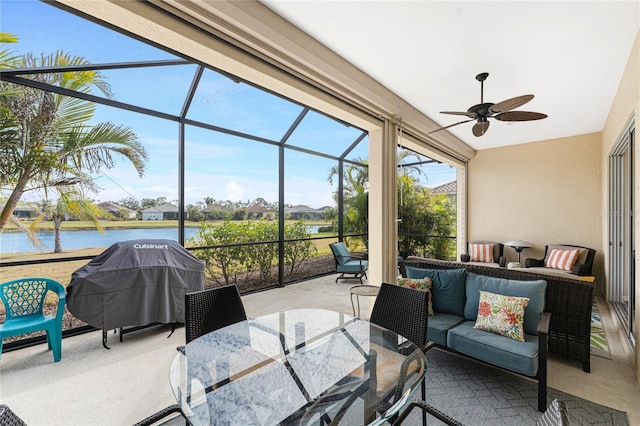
(501, 111)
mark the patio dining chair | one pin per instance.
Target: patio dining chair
(204, 311)
(9, 418)
(23, 300)
(211, 309)
(404, 311)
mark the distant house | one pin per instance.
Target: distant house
(24, 212)
(304, 212)
(117, 211)
(256, 212)
(450, 189)
(166, 211)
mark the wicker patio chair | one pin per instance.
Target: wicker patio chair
(9, 418)
(211, 309)
(582, 267)
(498, 253)
(405, 311)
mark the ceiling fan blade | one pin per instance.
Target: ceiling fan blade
(480, 128)
(510, 104)
(520, 116)
(450, 125)
(467, 113)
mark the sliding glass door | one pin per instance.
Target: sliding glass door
(621, 278)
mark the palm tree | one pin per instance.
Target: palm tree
(46, 141)
(355, 196)
(72, 204)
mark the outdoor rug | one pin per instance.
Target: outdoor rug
(599, 345)
(477, 394)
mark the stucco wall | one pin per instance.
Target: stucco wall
(547, 192)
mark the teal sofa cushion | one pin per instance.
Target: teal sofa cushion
(353, 266)
(447, 290)
(521, 357)
(439, 324)
(534, 290)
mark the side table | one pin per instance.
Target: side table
(362, 290)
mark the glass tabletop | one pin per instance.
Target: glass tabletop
(302, 366)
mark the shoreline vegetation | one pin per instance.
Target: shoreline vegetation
(61, 271)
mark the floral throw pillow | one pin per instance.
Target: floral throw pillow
(419, 284)
(503, 315)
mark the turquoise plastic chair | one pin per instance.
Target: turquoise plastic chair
(23, 301)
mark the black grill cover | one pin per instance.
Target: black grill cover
(135, 283)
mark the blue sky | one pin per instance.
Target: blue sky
(217, 165)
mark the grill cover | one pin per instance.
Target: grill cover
(135, 283)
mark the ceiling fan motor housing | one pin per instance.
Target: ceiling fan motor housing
(502, 111)
(481, 110)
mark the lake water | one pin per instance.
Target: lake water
(17, 242)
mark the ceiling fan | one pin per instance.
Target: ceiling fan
(501, 111)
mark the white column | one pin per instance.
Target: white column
(383, 237)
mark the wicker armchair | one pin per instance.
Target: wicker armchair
(498, 254)
(404, 311)
(582, 267)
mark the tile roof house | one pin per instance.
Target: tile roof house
(166, 211)
(304, 212)
(256, 212)
(449, 189)
(117, 211)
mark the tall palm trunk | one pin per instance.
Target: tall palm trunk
(57, 224)
(14, 198)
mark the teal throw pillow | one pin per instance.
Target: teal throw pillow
(447, 290)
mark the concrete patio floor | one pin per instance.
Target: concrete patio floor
(95, 386)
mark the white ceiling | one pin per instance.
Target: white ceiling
(570, 55)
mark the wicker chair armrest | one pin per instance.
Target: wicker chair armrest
(580, 269)
(532, 263)
(543, 325)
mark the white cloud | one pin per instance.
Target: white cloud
(234, 191)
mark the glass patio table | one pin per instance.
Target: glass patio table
(301, 366)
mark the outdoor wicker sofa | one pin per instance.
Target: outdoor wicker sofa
(569, 300)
